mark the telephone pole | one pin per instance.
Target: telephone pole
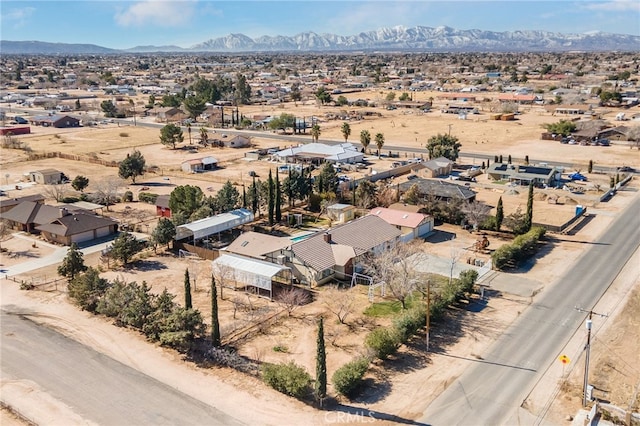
(588, 324)
(428, 315)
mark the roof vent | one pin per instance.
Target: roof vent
(327, 237)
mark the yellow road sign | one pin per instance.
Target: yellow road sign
(564, 359)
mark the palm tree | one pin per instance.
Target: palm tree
(346, 131)
(365, 139)
(315, 132)
(204, 136)
(379, 142)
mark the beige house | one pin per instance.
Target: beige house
(440, 166)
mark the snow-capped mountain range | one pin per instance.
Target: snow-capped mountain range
(399, 38)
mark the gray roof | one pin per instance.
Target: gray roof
(347, 241)
(257, 273)
(31, 212)
(15, 201)
(214, 224)
(439, 188)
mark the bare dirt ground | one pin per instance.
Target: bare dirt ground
(410, 380)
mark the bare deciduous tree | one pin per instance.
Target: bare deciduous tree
(106, 191)
(292, 298)
(4, 230)
(397, 268)
(475, 212)
(57, 192)
(340, 303)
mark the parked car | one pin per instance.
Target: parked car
(626, 169)
(20, 120)
(577, 176)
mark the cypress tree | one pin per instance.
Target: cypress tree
(290, 190)
(321, 365)
(244, 197)
(529, 217)
(501, 159)
(278, 199)
(499, 214)
(215, 324)
(272, 198)
(495, 158)
(187, 290)
(254, 198)
(590, 169)
(509, 159)
(526, 160)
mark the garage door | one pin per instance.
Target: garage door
(102, 232)
(85, 236)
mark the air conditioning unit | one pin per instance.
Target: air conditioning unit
(280, 259)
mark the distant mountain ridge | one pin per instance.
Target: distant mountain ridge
(399, 38)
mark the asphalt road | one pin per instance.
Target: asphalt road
(94, 386)
(490, 390)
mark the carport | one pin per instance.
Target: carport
(251, 272)
(204, 228)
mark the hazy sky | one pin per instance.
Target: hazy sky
(125, 24)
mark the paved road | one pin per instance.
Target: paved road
(94, 386)
(489, 392)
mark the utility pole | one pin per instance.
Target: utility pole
(428, 311)
(450, 128)
(588, 324)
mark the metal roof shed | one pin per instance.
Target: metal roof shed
(212, 225)
(251, 272)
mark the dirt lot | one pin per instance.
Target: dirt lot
(409, 381)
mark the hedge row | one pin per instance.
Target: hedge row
(522, 247)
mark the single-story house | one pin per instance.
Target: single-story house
(8, 204)
(199, 165)
(619, 133)
(439, 190)
(259, 246)
(59, 224)
(55, 120)
(166, 114)
(250, 272)
(341, 213)
(522, 175)
(335, 253)
(440, 166)
(524, 99)
(46, 176)
(162, 206)
(411, 225)
(318, 153)
(78, 227)
(456, 96)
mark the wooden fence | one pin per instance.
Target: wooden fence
(204, 253)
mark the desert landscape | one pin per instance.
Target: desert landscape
(396, 390)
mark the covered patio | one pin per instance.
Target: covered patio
(251, 273)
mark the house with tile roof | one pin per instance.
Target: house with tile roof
(333, 254)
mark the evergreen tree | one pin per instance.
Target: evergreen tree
(215, 324)
(590, 169)
(72, 264)
(271, 198)
(321, 365)
(499, 214)
(529, 215)
(132, 166)
(244, 197)
(526, 160)
(278, 199)
(509, 159)
(254, 196)
(187, 290)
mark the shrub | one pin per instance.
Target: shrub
(147, 197)
(124, 134)
(407, 324)
(523, 247)
(70, 200)
(290, 379)
(229, 358)
(383, 342)
(347, 378)
(128, 196)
